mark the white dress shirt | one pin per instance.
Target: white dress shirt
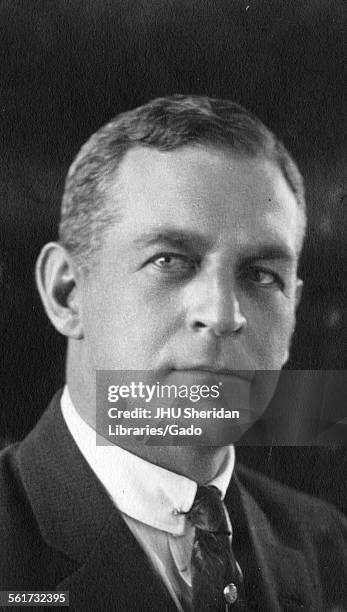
(150, 499)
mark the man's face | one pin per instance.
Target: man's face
(206, 244)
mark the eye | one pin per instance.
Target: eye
(172, 262)
(265, 278)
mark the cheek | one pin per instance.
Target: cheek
(271, 331)
(262, 390)
(127, 329)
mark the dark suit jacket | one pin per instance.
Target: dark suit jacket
(59, 530)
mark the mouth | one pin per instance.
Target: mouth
(247, 375)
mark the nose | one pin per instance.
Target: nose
(215, 307)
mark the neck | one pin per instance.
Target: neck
(199, 463)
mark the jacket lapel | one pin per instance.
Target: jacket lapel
(276, 574)
(117, 576)
(77, 518)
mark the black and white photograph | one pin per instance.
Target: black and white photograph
(173, 293)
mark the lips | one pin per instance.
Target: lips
(247, 375)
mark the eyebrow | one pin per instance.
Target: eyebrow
(190, 240)
(270, 252)
(176, 238)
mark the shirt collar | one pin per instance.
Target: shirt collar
(146, 492)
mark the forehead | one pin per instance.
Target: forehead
(211, 191)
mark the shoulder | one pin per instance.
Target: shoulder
(268, 490)
(13, 500)
(298, 538)
(15, 504)
(293, 512)
(25, 557)
(19, 534)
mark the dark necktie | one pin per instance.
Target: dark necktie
(216, 576)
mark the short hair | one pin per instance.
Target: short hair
(164, 124)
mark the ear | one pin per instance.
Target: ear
(56, 279)
(298, 291)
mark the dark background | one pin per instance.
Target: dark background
(68, 67)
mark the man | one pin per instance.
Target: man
(182, 224)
